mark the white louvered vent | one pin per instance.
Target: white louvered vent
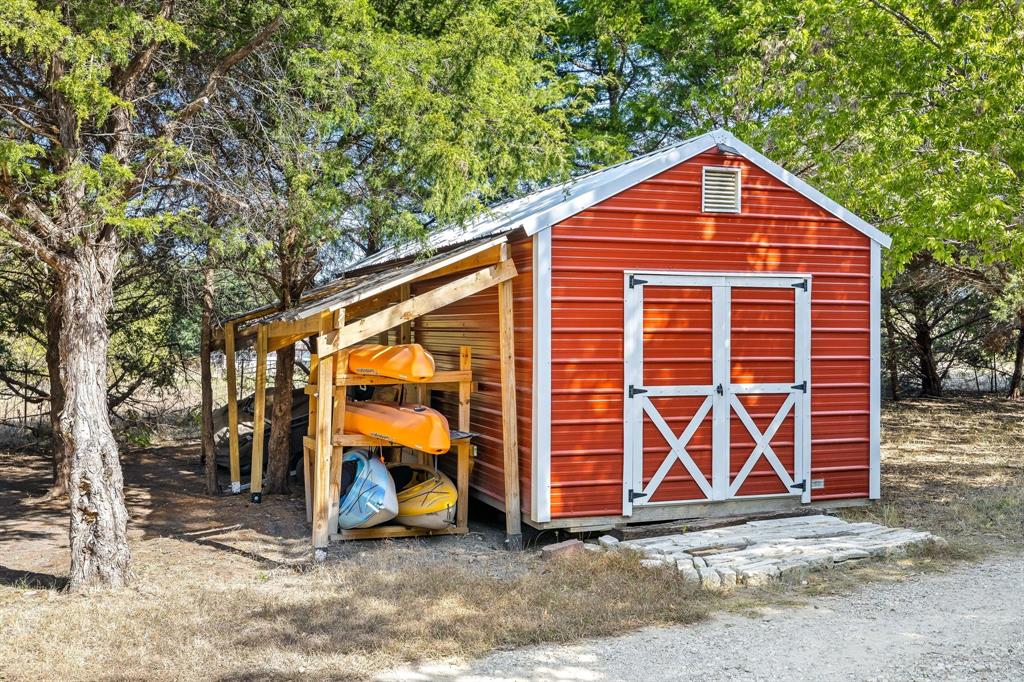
(721, 190)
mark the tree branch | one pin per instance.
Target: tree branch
(126, 81)
(207, 91)
(906, 21)
(29, 241)
(219, 71)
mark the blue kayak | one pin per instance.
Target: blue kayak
(371, 498)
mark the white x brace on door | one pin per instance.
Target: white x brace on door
(717, 377)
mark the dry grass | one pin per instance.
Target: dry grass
(954, 467)
(197, 611)
(345, 620)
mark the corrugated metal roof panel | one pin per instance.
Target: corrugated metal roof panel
(345, 291)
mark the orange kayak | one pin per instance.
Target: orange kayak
(409, 361)
(414, 426)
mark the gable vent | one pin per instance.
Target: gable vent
(721, 190)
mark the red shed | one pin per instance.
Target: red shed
(697, 333)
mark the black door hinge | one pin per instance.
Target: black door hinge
(635, 281)
(633, 495)
(802, 284)
(634, 391)
(801, 486)
(802, 386)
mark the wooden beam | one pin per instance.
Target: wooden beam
(324, 448)
(338, 419)
(509, 420)
(415, 307)
(221, 334)
(363, 308)
(309, 449)
(275, 343)
(405, 329)
(478, 260)
(453, 263)
(379, 532)
(235, 464)
(256, 478)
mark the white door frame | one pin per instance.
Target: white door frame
(636, 396)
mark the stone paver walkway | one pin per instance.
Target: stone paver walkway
(760, 552)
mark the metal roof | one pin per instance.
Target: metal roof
(544, 208)
(350, 289)
(532, 213)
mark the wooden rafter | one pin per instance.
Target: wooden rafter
(415, 306)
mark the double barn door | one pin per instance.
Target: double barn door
(717, 373)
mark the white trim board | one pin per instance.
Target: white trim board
(875, 429)
(540, 451)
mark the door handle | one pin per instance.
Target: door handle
(718, 390)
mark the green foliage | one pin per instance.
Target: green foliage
(647, 71)
(908, 113)
(372, 123)
(152, 333)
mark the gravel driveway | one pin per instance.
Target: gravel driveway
(967, 624)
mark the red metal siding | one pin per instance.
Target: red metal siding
(473, 321)
(658, 225)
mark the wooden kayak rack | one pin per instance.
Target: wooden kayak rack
(379, 303)
(459, 381)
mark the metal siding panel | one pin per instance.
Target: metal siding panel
(473, 321)
(658, 225)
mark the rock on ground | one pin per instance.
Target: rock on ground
(773, 550)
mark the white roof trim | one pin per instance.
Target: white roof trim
(583, 195)
(544, 208)
(647, 167)
(787, 178)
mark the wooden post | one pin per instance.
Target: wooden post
(229, 353)
(464, 450)
(256, 479)
(405, 329)
(509, 420)
(307, 453)
(404, 337)
(338, 419)
(324, 446)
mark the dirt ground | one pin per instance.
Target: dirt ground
(954, 467)
(224, 589)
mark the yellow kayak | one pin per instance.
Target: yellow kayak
(426, 497)
(414, 426)
(409, 362)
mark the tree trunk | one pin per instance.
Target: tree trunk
(891, 361)
(206, 379)
(59, 488)
(281, 422)
(1018, 360)
(931, 383)
(924, 344)
(99, 519)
